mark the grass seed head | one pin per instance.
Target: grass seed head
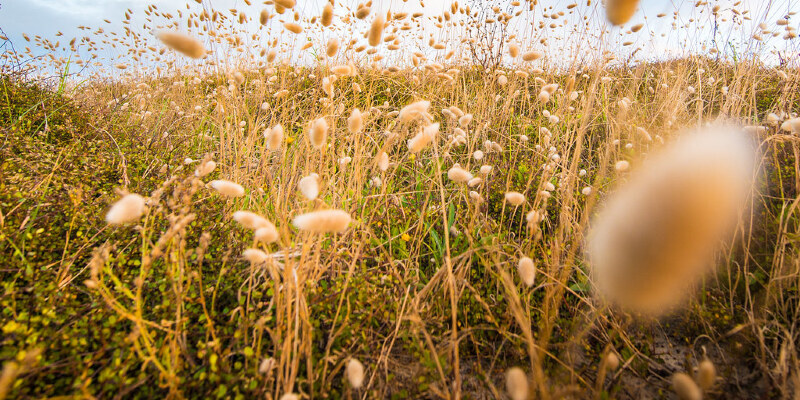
(706, 374)
(531, 55)
(324, 221)
(227, 188)
(309, 186)
(341, 70)
(255, 256)
(267, 365)
(527, 271)
(685, 388)
(423, 138)
(250, 220)
(332, 48)
(458, 174)
(205, 168)
(620, 11)
(292, 27)
(318, 133)
(289, 4)
(517, 384)
(414, 111)
(127, 209)
(515, 198)
(183, 44)
(355, 373)
(274, 137)
(383, 161)
(376, 31)
(355, 122)
(327, 15)
(657, 234)
(266, 234)
(611, 361)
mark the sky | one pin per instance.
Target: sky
(47, 17)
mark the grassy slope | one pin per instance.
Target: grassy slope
(61, 164)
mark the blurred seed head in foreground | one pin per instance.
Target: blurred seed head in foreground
(620, 11)
(657, 235)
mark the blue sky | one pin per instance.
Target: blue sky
(46, 17)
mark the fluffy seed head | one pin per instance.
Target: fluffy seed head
(791, 125)
(127, 209)
(531, 55)
(527, 271)
(458, 174)
(685, 388)
(513, 50)
(414, 110)
(550, 88)
(333, 47)
(292, 27)
(250, 220)
(184, 44)
(362, 12)
(475, 196)
(285, 3)
(611, 361)
(205, 168)
(657, 235)
(327, 15)
(266, 365)
(309, 186)
(355, 373)
(318, 132)
(516, 384)
(423, 138)
(773, 119)
(706, 374)
(620, 11)
(543, 96)
(274, 137)
(227, 188)
(355, 122)
(325, 221)
(515, 198)
(383, 161)
(327, 86)
(341, 70)
(266, 234)
(255, 256)
(376, 31)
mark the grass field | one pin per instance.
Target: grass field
(422, 285)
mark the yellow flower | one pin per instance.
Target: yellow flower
(405, 237)
(412, 157)
(289, 140)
